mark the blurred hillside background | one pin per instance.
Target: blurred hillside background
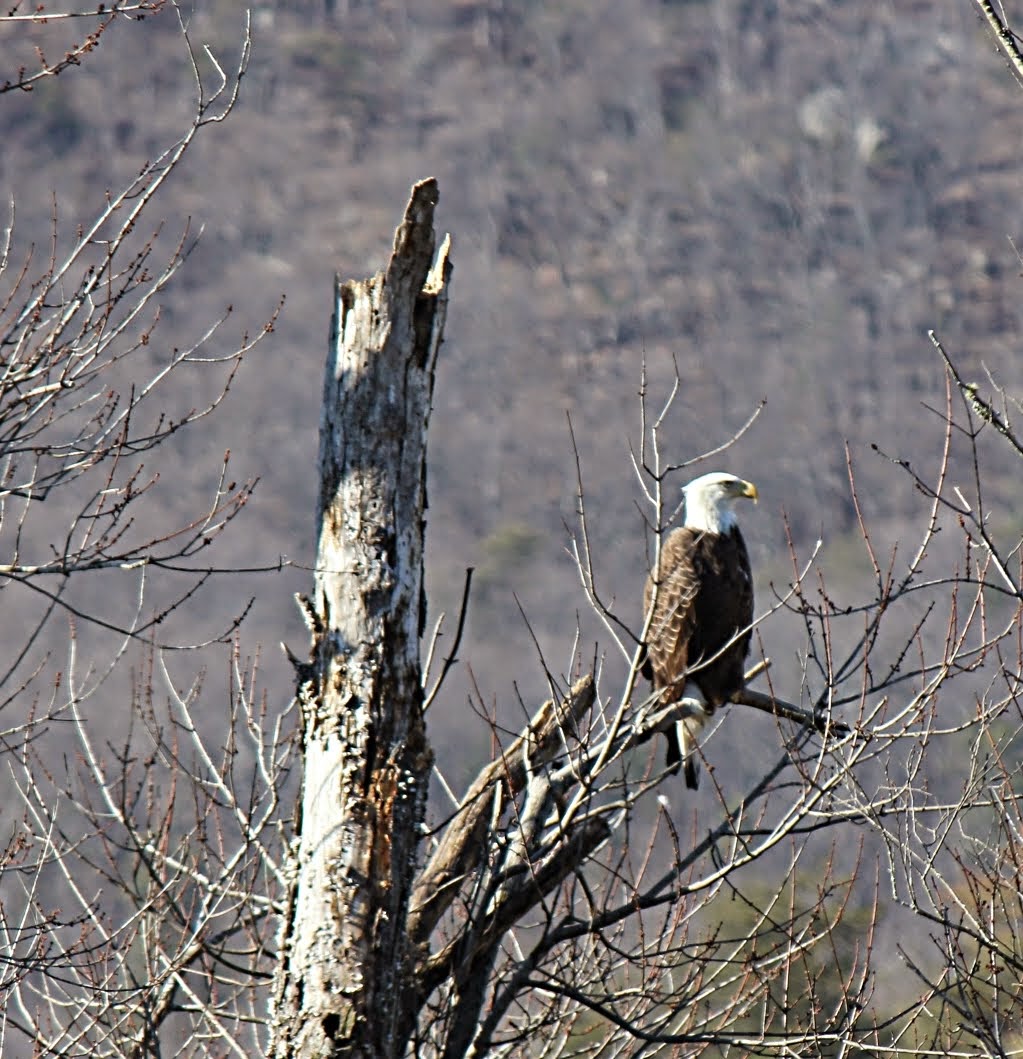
(778, 196)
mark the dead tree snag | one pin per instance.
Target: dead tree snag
(366, 758)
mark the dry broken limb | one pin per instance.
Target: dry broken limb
(461, 847)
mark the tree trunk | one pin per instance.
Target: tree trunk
(344, 954)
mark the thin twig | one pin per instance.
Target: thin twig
(453, 656)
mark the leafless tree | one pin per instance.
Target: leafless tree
(126, 897)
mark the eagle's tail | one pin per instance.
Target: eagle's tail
(674, 758)
(682, 746)
(692, 770)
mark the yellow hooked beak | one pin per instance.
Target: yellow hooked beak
(748, 489)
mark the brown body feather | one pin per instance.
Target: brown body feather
(701, 625)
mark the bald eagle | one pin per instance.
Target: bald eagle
(702, 600)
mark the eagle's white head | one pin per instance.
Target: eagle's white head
(710, 501)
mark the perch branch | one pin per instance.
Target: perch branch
(780, 708)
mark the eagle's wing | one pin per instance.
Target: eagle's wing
(668, 636)
(673, 617)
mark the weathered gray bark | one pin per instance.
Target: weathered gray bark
(344, 950)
